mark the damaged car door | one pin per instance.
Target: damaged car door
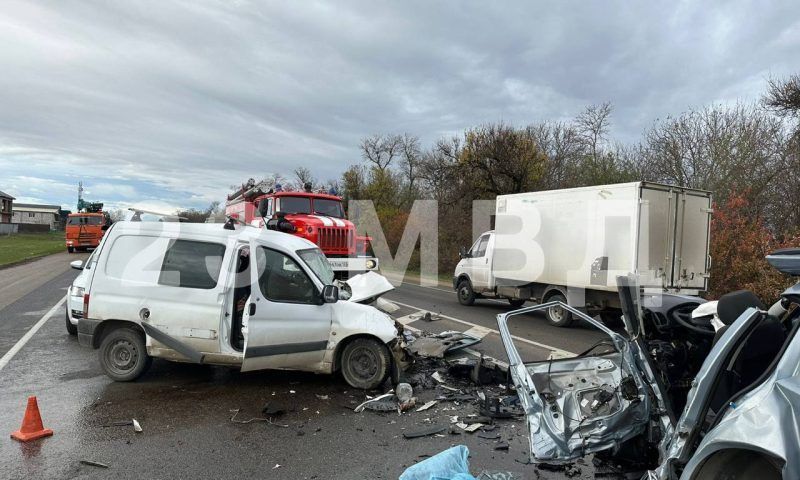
(576, 406)
(286, 323)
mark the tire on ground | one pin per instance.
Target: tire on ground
(466, 296)
(558, 316)
(365, 363)
(71, 329)
(516, 302)
(70, 250)
(123, 354)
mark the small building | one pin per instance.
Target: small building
(6, 207)
(36, 214)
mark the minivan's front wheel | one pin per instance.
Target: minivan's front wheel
(466, 296)
(558, 316)
(365, 363)
(123, 355)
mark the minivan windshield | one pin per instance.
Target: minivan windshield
(316, 261)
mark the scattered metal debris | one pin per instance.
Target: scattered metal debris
(364, 405)
(427, 405)
(92, 463)
(136, 427)
(501, 407)
(435, 346)
(254, 419)
(432, 430)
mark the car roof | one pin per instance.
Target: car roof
(212, 232)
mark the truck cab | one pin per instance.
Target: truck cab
(85, 230)
(248, 297)
(318, 217)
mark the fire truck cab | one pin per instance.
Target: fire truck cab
(317, 217)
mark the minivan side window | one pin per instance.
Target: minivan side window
(283, 280)
(192, 264)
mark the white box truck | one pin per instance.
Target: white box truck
(571, 244)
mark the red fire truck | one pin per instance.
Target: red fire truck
(318, 217)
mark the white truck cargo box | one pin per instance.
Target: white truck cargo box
(585, 237)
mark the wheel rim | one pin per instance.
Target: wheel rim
(557, 314)
(122, 356)
(464, 293)
(363, 363)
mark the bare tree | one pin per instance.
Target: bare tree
(783, 96)
(381, 150)
(303, 176)
(411, 154)
(592, 125)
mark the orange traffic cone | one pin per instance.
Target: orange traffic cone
(32, 427)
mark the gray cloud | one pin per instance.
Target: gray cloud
(189, 97)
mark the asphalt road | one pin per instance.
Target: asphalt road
(186, 410)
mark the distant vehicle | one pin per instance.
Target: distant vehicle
(85, 230)
(568, 246)
(317, 217)
(74, 309)
(247, 297)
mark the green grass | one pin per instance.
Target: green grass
(24, 246)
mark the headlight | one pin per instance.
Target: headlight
(370, 264)
(76, 291)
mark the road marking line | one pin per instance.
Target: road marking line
(555, 351)
(478, 331)
(30, 333)
(405, 320)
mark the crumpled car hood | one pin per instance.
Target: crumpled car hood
(367, 287)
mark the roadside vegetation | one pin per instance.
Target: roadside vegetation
(25, 246)
(748, 155)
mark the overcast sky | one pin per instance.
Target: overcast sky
(166, 104)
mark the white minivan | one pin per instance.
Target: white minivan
(225, 295)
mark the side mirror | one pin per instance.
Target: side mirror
(262, 208)
(105, 227)
(330, 294)
(76, 264)
(463, 252)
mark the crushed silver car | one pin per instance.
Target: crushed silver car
(714, 395)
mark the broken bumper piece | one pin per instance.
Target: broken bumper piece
(436, 346)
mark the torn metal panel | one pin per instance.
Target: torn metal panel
(577, 406)
(367, 287)
(446, 342)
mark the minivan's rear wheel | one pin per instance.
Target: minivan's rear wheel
(71, 329)
(365, 363)
(123, 355)
(466, 296)
(557, 315)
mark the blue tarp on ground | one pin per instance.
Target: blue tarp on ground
(451, 464)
